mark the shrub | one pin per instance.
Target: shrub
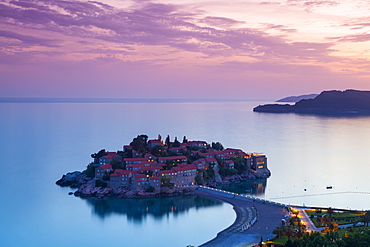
(150, 189)
(100, 183)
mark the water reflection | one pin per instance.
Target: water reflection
(254, 187)
(137, 210)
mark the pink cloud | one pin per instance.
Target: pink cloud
(91, 48)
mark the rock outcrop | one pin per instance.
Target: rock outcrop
(72, 179)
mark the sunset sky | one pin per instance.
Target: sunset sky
(187, 49)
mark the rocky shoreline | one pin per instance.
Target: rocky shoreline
(86, 186)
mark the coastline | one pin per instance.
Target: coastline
(86, 186)
(268, 218)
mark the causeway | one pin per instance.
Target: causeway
(255, 218)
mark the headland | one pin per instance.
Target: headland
(336, 103)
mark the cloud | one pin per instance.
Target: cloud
(220, 22)
(28, 40)
(281, 28)
(275, 68)
(363, 37)
(312, 3)
(98, 28)
(147, 24)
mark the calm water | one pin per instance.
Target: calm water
(40, 142)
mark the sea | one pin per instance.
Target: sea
(320, 161)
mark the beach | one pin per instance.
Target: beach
(267, 217)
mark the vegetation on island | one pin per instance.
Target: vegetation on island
(337, 228)
(204, 176)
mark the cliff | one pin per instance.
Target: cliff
(348, 102)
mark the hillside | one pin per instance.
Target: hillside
(348, 102)
(297, 98)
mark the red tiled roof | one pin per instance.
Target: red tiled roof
(211, 160)
(118, 170)
(139, 176)
(110, 155)
(173, 158)
(135, 165)
(207, 154)
(155, 141)
(234, 150)
(151, 163)
(136, 159)
(185, 168)
(154, 178)
(114, 175)
(229, 155)
(106, 166)
(197, 142)
(229, 161)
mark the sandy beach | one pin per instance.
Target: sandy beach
(268, 218)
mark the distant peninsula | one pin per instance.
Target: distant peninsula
(297, 98)
(157, 167)
(348, 102)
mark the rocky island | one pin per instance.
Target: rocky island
(157, 167)
(348, 102)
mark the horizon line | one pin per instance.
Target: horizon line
(109, 100)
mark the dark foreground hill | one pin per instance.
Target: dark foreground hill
(349, 102)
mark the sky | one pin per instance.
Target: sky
(183, 49)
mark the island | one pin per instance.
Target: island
(157, 167)
(349, 102)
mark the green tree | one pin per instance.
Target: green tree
(117, 165)
(168, 142)
(366, 218)
(99, 154)
(330, 211)
(166, 181)
(90, 170)
(106, 176)
(100, 183)
(279, 231)
(301, 229)
(150, 189)
(176, 143)
(217, 145)
(184, 140)
(139, 143)
(198, 179)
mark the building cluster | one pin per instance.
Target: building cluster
(144, 170)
